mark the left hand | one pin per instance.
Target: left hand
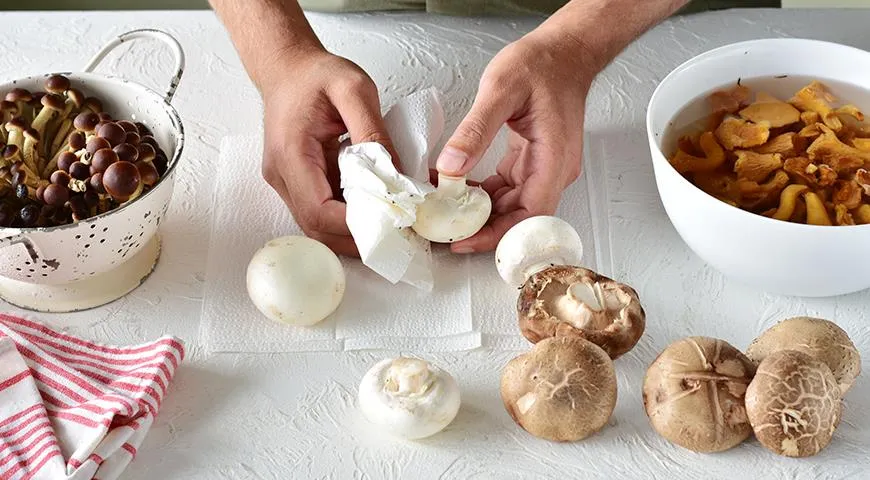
(538, 86)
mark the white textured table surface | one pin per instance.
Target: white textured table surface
(294, 416)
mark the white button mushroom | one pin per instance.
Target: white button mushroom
(295, 280)
(453, 212)
(408, 397)
(535, 244)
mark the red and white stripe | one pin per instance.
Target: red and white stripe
(73, 409)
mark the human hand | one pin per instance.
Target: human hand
(537, 86)
(309, 103)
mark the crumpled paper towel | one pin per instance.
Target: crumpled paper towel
(382, 202)
(374, 313)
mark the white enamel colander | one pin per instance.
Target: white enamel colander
(58, 258)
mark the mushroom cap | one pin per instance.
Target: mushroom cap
(77, 140)
(563, 390)
(76, 96)
(693, 394)
(794, 404)
(294, 279)
(103, 159)
(93, 104)
(57, 84)
(19, 95)
(32, 135)
(121, 180)
(534, 244)
(817, 337)
(15, 123)
(148, 172)
(453, 212)
(574, 301)
(53, 101)
(408, 397)
(86, 121)
(113, 133)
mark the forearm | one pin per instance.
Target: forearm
(601, 29)
(264, 31)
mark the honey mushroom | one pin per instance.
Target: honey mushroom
(693, 394)
(563, 390)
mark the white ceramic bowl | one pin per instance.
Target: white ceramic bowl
(70, 253)
(771, 255)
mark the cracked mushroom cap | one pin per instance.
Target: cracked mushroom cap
(694, 392)
(819, 338)
(573, 301)
(563, 390)
(794, 404)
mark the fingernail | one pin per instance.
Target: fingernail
(451, 160)
(463, 250)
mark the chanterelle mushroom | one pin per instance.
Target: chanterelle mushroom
(409, 397)
(296, 280)
(694, 393)
(534, 244)
(817, 337)
(453, 212)
(575, 301)
(563, 390)
(794, 404)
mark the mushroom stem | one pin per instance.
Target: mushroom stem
(452, 187)
(408, 376)
(31, 155)
(16, 135)
(590, 295)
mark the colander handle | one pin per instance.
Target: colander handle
(152, 34)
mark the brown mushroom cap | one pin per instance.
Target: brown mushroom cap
(86, 121)
(77, 141)
(102, 159)
(694, 391)
(19, 95)
(819, 338)
(53, 101)
(794, 404)
(563, 390)
(57, 84)
(574, 301)
(121, 180)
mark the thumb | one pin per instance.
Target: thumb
(475, 133)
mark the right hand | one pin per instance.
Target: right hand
(309, 103)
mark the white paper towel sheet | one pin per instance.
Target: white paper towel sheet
(374, 314)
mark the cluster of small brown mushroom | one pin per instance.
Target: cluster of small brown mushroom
(64, 159)
(705, 395)
(579, 321)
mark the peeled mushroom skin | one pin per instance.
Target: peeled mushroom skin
(574, 301)
(453, 212)
(794, 404)
(817, 337)
(693, 394)
(534, 244)
(563, 390)
(295, 280)
(409, 398)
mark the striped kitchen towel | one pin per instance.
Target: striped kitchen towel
(72, 409)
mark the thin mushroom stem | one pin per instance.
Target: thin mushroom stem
(453, 187)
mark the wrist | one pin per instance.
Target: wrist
(283, 61)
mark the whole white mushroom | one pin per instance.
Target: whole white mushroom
(453, 212)
(296, 280)
(535, 244)
(408, 397)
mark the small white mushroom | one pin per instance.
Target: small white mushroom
(296, 280)
(409, 398)
(535, 244)
(453, 212)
